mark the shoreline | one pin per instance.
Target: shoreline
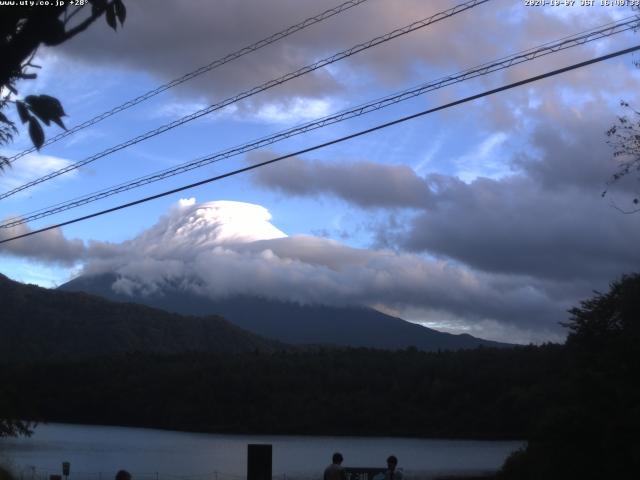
(479, 438)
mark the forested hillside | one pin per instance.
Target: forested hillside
(38, 324)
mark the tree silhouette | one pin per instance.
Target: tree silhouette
(624, 137)
(611, 316)
(590, 429)
(22, 30)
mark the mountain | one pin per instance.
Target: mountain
(41, 324)
(290, 322)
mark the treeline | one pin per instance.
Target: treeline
(483, 393)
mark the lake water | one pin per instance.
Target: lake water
(97, 452)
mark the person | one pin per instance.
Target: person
(392, 473)
(335, 470)
(123, 475)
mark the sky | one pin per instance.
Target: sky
(486, 218)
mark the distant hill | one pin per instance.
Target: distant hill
(38, 324)
(291, 322)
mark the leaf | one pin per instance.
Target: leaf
(59, 122)
(121, 10)
(36, 133)
(23, 112)
(111, 16)
(4, 162)
(45, 105)
(46, 108)
(4, 119)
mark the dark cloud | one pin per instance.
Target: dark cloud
(575, 155)
(366, 184)
(157, 35)
(513, 226)
(50, 246)
(545, 220)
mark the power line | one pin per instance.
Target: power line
(199, 71)
(331, 142)
(265, 86)
(489, 67)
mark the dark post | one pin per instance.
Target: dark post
(259, 462)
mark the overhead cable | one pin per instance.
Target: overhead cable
(195, 73)
(326, 144)
(265, 86)
(484, 69)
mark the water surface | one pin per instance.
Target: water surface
(97, 452)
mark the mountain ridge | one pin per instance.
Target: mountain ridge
(40, 324)
(283, 321)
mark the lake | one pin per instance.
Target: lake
(97, 452)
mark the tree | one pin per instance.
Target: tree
(22, 30)
(624, 137)
(590, 430)
(614, 315)
(10, 423)
(15, 428)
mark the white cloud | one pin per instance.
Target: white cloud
(30, 167)
(484, 161)
(295, 110)
(175, 109)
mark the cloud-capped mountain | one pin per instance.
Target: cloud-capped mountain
(288, 321)
(226, 258)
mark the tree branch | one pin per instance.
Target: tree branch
(73, 14)
(81, 27)
(626, 212)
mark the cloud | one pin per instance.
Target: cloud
(297, 109)
(49, 247)
(30, 167)
(542, 218)
(514, 226)
(219, 249)
(482, 161)
(215, 29)
(524, 201)
(548, 221)
(366, 184)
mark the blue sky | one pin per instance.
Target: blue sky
(501, 197)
